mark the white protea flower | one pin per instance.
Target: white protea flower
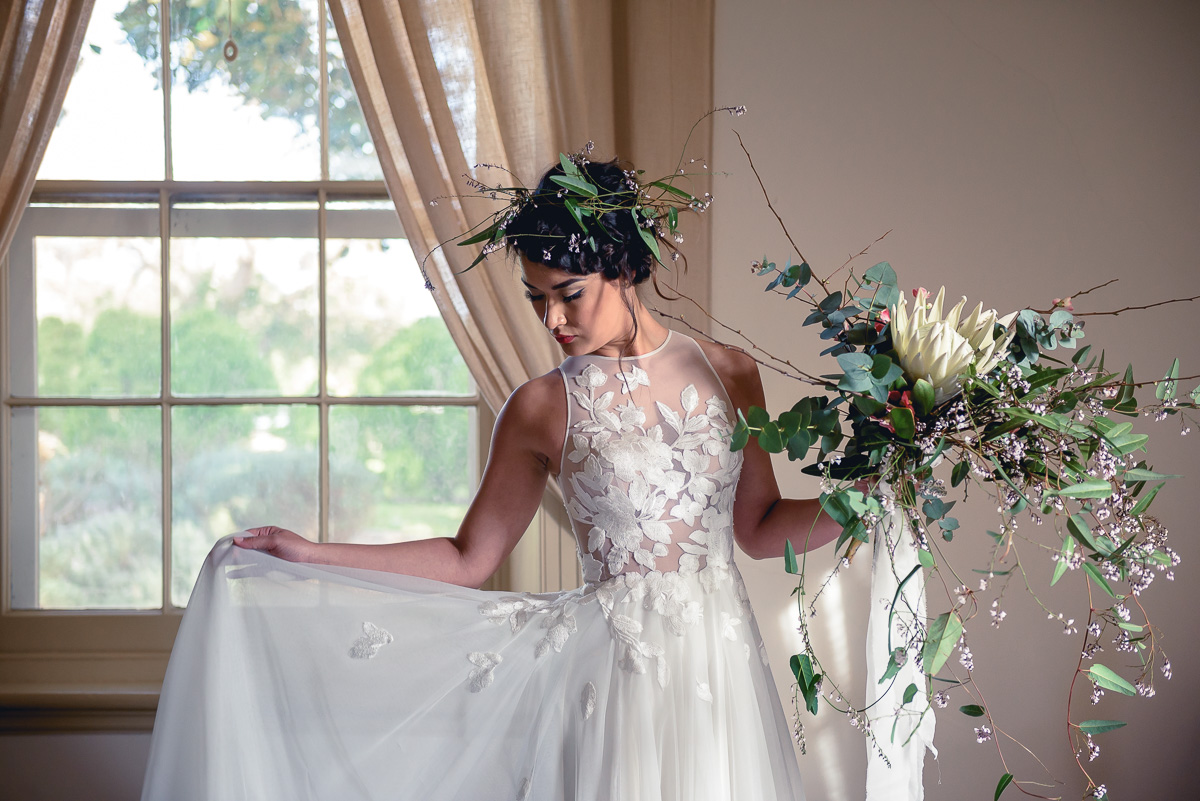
(940, 349)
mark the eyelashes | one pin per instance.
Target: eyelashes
(566, 299)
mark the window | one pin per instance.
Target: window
(211, 320)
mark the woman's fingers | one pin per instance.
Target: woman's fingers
(254, 542)
(262, 538)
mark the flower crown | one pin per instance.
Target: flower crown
(654, 205)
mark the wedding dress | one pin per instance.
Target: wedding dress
(648, 683)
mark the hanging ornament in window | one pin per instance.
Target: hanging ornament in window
(231, 48)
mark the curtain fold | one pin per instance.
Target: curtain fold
(39, 47)
(446, 85)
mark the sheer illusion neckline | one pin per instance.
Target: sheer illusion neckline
(647, 354)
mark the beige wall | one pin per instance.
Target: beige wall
(1017, 151)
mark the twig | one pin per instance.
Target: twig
(860, 253)
(797, 372)
(1079, 295)
(799, 375)
(767, 197)
(1138, 308)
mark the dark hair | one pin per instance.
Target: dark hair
(542, 230)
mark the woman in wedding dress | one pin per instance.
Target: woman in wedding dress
(338, 671)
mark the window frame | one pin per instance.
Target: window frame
(102, 669)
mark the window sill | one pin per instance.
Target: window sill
(27, 709)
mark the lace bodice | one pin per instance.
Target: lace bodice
(647, 473)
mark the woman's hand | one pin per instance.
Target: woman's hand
(278, 542)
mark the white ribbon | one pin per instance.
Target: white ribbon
(902, 745)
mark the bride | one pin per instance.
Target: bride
(343, 671)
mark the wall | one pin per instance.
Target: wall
(1016, 152)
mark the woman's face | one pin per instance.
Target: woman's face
(585, 313)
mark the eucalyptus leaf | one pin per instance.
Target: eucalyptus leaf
(910, 692)
(1095, 575)
(1091, 488)
(1100, 726)
(741, 433)
(925, 557)
(486, 235)
(1064, 556)
(943, 635)
(893, 666)
(649, 238)
(1082, 532)
(1002, 785)
(959, 473)
(1138, 474)
(580, 185)
(798, 445)
(903, 422)
(923, 396)
(568, 166)
(1165, 389)
(1107, 679)
(789, 558)
(973, 710)
(769, 439)
(675, 191)
(1144, 502)
(757, 417)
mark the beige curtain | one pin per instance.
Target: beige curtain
(39, 47)
(448, 84)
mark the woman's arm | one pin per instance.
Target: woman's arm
(762, 519)
(526, 444)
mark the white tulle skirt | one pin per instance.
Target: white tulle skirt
(292, 681)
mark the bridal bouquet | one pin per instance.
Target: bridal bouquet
(930, 402)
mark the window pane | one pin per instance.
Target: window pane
(256, 118)
(98, 323)
(384, 333)
(92, 140)
(100, 508)
(236, 467)
(352, 154)
(398, 473)
(244, 316)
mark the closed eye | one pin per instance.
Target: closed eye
(530, 296)
(576, 296)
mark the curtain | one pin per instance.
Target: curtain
(39, 47)
(449, 84)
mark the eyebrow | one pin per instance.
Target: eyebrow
(562, 285)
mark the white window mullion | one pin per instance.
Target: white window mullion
(164, 228)
(322, 360)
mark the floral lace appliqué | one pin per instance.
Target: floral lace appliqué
(373, 638)
(485, 663)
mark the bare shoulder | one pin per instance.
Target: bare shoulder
(737, 371)
(535, 417)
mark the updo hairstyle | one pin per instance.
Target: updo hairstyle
(542, 230)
